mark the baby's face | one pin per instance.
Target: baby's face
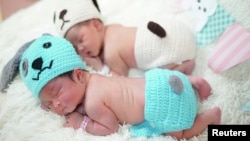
(86, 39)
(61, 95)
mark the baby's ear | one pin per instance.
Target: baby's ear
(78, 75)
(97, 24)
(11, 68)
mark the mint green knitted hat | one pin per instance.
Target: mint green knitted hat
(46, 58)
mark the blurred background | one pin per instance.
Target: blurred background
(8, 7)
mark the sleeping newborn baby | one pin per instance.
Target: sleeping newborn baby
(165, 42)
(162, 102)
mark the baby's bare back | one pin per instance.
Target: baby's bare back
(128, 102)
(123, 96)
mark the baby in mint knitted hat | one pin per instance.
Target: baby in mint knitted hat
(46, 58)
(164, 102)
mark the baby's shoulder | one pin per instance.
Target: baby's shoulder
(93, 97)
(116, 26)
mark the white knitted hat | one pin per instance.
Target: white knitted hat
(70, 12)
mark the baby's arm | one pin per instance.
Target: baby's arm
(117, 66)
(97, 64)
(74, 120)
(94, 62)
(103, 121)
(78, 120)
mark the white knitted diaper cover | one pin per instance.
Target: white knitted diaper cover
(152, 50)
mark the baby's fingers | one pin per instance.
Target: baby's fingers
(67, 124)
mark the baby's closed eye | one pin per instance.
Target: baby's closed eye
(43, 106)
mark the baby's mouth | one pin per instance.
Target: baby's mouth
(64, 111)
(89, 53)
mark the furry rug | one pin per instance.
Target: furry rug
(21, 118)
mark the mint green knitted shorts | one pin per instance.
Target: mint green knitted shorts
(170, 103)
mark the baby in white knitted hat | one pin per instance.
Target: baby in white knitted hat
(166, 43)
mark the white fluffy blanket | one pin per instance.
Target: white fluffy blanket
(21, 118)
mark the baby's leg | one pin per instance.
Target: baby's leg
(186, 67)
(210, 116)
(201, 86)
(178, 134)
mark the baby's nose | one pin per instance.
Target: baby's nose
(57, 107)
(81, 50)
(80, 47)
(56, 104)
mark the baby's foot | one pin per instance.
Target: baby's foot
(216, 112)
(201, 86)
(189, 67)
(204, 89)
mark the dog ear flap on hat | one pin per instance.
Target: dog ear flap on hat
(96, 5)
(10, 70)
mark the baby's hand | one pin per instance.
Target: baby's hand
(94, 62)
(74, 120)
(80, 109)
